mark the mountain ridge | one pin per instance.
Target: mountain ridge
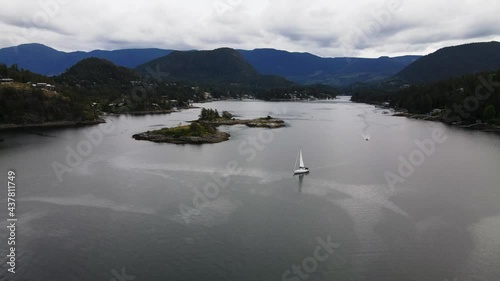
(45, 60)
(453, 61)
(302, 68)
(223, 65)
(306, 68)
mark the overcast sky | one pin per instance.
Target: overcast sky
(333, 28)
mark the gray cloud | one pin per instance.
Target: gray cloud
(366, 28)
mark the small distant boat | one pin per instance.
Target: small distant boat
(302, 168)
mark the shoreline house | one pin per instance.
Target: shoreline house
(45, 86)
(6, 80)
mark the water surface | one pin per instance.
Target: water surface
(119, 210)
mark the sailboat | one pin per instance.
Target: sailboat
(302, 168)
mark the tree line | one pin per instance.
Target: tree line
(470, 97)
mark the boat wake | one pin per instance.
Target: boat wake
(374, 195)
(90, 201)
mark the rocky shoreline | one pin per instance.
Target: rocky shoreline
(483, 127)
(56, 124)
(151, 112)
(160, 136)
(62, 124)
(146, 112)
(470, 126)
(154, 136)
(266, 122)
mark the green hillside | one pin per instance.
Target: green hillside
(96, 71)
(222, 66)
(117, 89)
(453, 62)
(23, 104)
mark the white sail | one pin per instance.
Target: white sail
(301, 160)
(302, 167)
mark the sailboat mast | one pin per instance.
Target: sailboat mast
(301, 160)
(296, 160)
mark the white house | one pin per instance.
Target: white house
(6, 80)
(45, 86)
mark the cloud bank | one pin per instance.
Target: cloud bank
(362, 28)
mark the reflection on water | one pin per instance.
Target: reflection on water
(301, 180)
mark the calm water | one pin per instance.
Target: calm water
(116, 215)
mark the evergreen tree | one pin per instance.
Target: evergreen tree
(489, 113)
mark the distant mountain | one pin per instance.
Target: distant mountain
(39, 58)
(220, 66)
(302, 68)
(305, 68)
(97, 71)
(45, 60)
(452, 62)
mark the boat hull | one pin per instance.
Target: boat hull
(300, 171)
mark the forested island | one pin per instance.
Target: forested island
(213, 118)
(204, 130)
